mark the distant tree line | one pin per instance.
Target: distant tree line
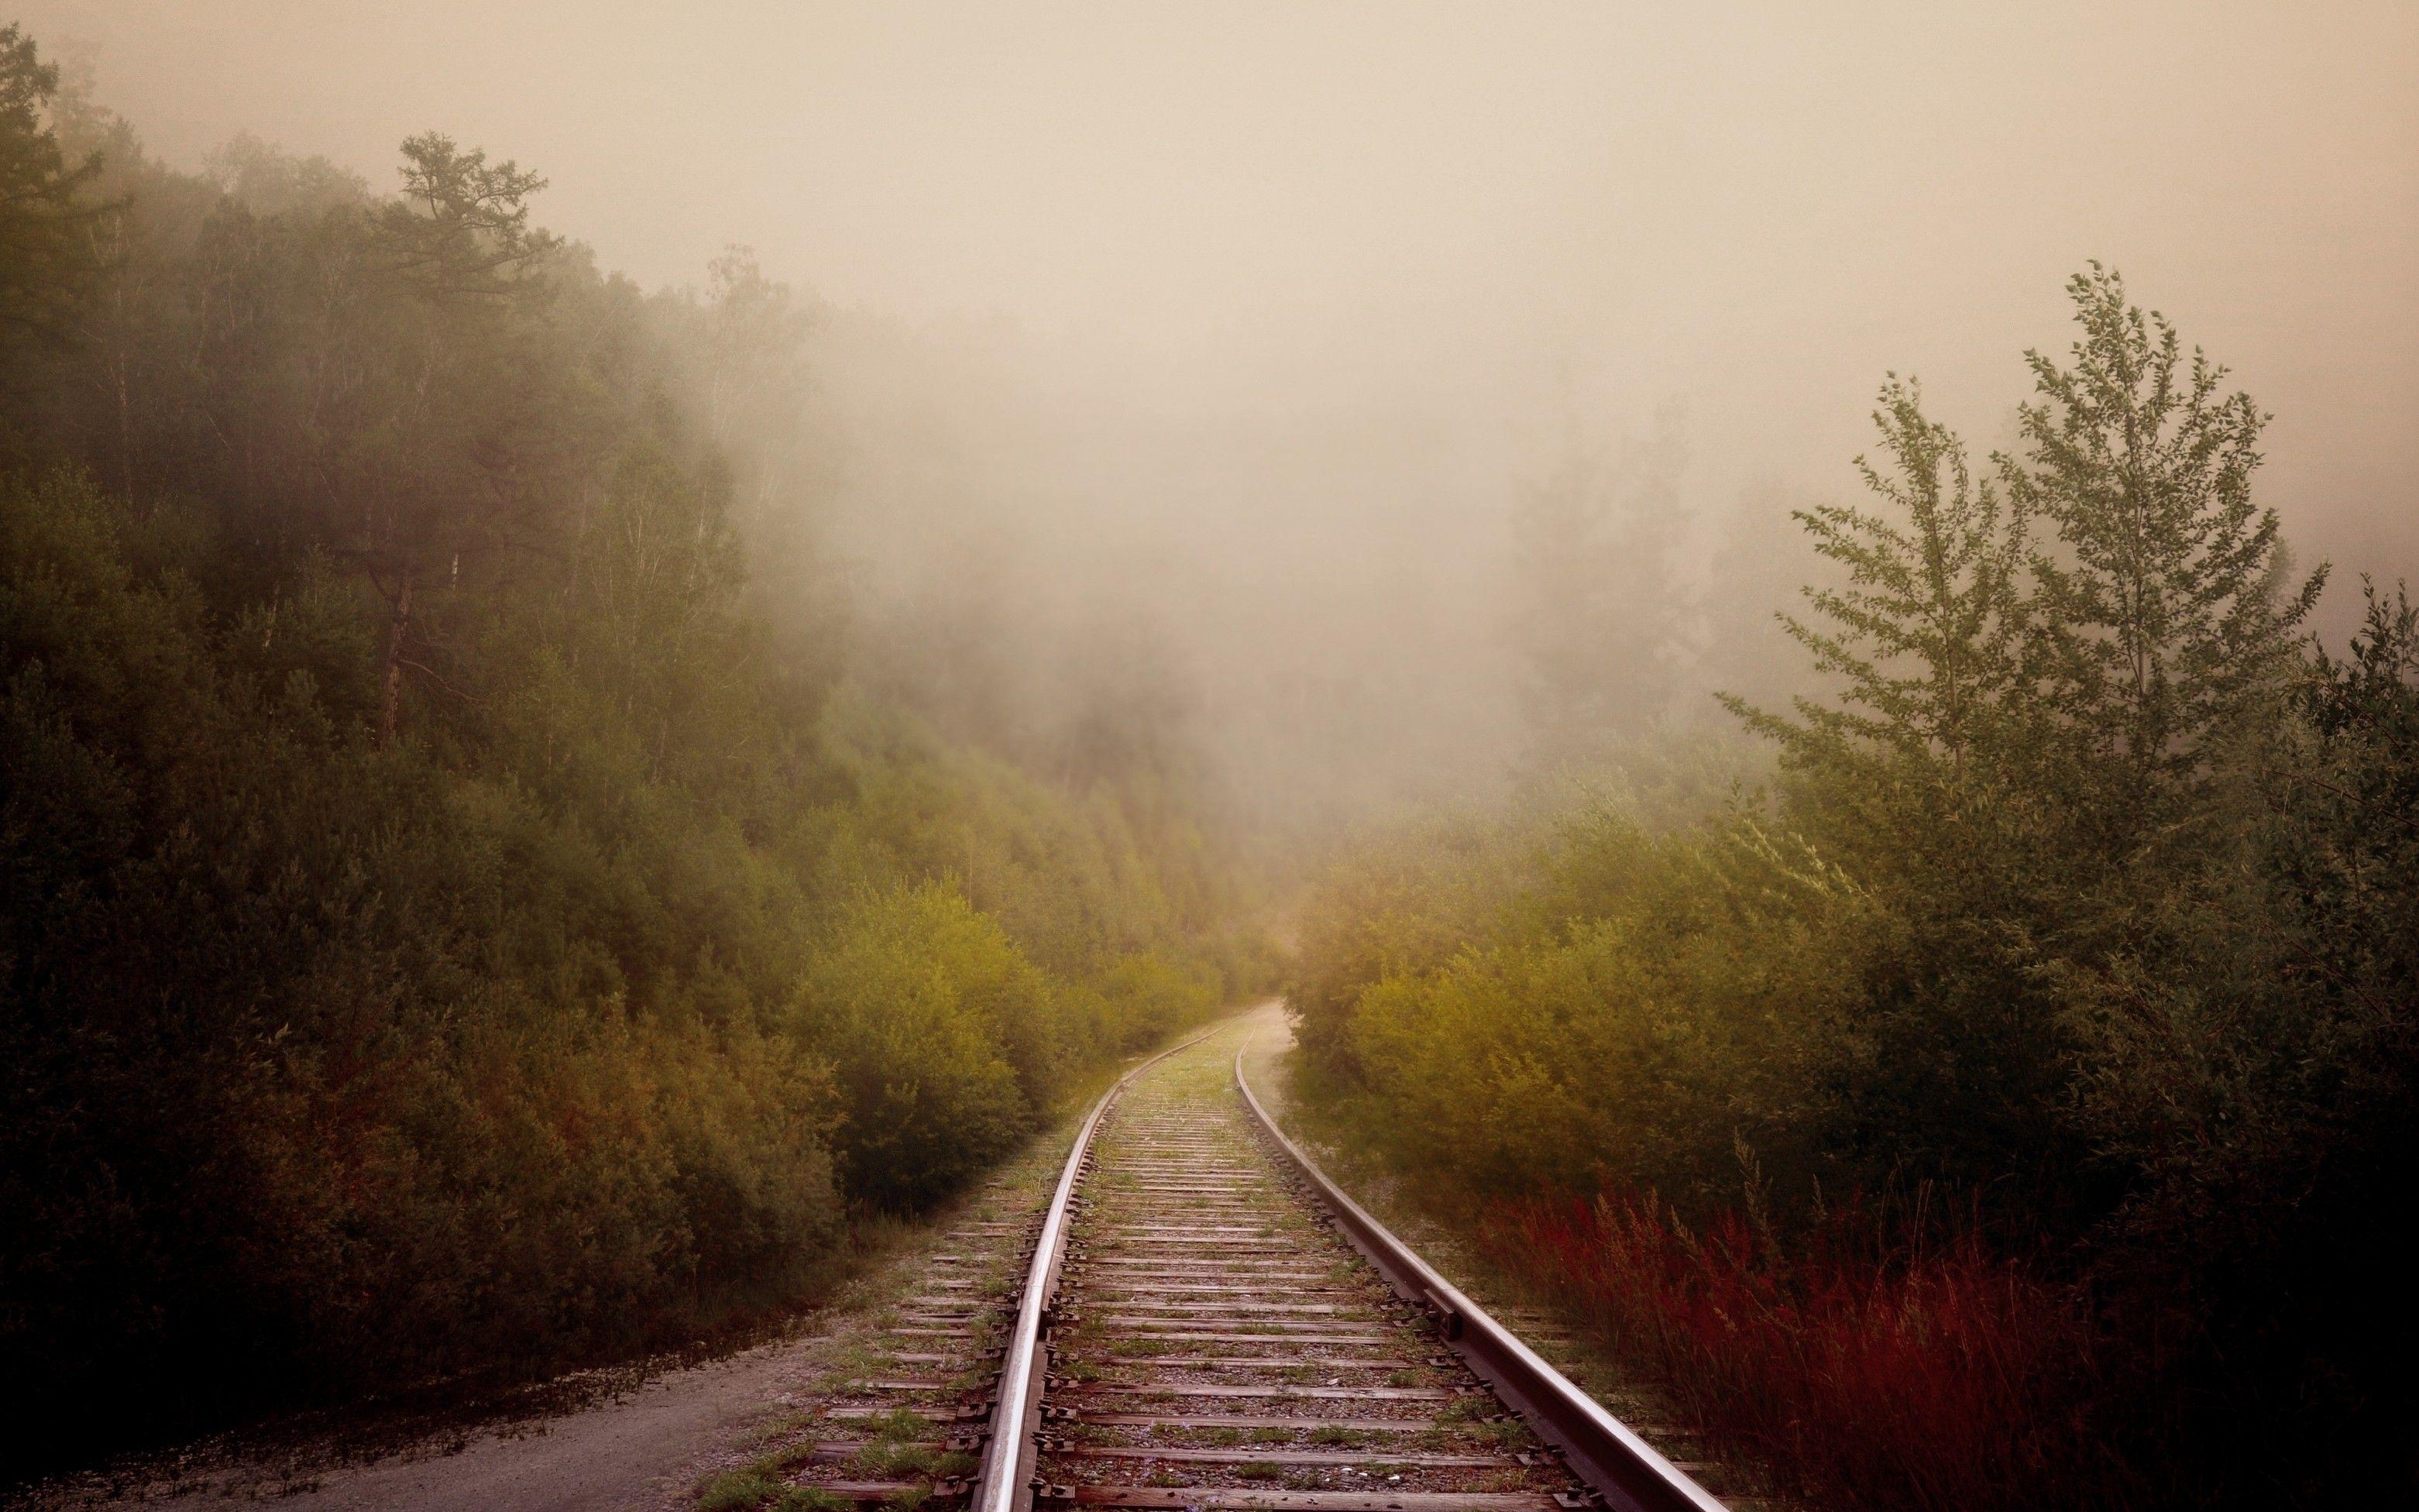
(446, 922)
(1600, 623)
(2006, 1101)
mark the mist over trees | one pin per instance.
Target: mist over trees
(1995, 1108)
(1602, 607)
(1759, 564)
(536, 808)
(458, 914)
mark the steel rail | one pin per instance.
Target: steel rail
(1611, 1460)
(1004, 1482)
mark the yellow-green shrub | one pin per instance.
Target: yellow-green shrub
(942, 1034)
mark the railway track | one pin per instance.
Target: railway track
(1199, 1320)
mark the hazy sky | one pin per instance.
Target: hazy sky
(1763, 205)
(1407, 225)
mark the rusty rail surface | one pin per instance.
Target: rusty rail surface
(1614, 1462)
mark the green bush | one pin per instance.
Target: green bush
(946, 1035)
(1628, 1047)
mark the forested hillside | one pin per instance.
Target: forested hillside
(449, 920)
(2002, 1101)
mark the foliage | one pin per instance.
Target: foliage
(1928, 630)
(2081, 909)
(948, 1032)
(1622, 1044)
(2166, 605)
(48, 257)
(1921, 1373)
(2265, 1079)
(444, 927)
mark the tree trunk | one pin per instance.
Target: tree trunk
(390, 691)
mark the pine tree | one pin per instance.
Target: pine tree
(47, 254)
(458, 243)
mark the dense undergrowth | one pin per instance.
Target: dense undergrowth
(2002, 1101)
(448, 922)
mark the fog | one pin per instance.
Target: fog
(1214, 350)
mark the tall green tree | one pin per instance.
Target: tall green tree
(1926, 638)
(48, 255)
(1950, 1060)
(446, 462)
(2165, 594)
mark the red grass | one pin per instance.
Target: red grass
(1931, 1378)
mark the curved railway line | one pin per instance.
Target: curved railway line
(1200, 1320)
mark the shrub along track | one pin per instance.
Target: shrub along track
(1189, 1325)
